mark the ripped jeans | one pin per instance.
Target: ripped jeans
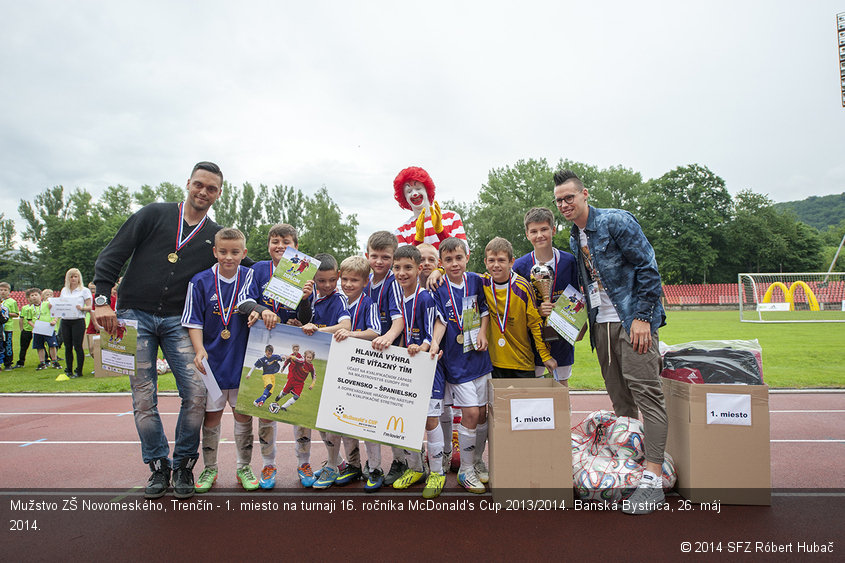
(169, 334)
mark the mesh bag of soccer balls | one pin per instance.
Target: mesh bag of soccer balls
(608, 457)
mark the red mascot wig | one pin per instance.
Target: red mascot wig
(412, 174)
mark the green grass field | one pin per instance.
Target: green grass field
(304, 411)
(798, 355)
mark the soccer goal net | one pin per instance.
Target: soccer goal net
(792, 298)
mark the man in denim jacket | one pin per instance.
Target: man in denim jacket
(618, 273)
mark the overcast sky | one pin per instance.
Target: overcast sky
(346, 94)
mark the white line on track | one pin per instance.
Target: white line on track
(808, 411)
(46, 442)
(772, 391)
(824, 440)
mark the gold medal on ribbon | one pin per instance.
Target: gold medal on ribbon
(172, 257)
(225, 334)
(460, 339)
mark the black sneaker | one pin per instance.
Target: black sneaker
(183, 479)
(397, 469)
(348, 475)
(160, 478)
(56, 365)
(41, 366)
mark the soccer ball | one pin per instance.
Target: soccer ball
(625, 437)
(274, 408)
(541, 272)
(339, 409)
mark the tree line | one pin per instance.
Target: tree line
(68, 230)
(700, 233)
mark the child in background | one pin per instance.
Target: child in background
(39, 341)
(539, 230)
(46, 295)
(329, 315)
(364, 316)
(25, 323)
(7, 353)
(429, 261)
(280, 237)
(92, 329)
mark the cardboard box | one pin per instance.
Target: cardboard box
(715, 459)
(530, 445)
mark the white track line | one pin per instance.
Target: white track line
(775, 391)
(127, 413)
(46, 442)
(808, 411)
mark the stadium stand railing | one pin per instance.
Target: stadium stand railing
(728, 294)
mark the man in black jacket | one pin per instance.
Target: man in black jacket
(168, 243)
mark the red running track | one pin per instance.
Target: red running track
(84, 443)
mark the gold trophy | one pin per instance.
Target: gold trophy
(542, 279)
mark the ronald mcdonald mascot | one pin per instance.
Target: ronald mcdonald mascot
(414, 190)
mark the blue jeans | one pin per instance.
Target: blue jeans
(169, 334)
(7, 355)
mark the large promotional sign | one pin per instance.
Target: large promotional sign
(380, 396)
(342, 387)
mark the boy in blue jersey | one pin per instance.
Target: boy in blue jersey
(451, 417)
(329, 314)
(366, 325)
(219, 336)
(380, 248)
(418, 311)
(280, 237)
(539, 230)
(270, 365)
(466, 372)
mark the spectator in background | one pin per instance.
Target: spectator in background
(28, 317)
(73, 327)
(12, 313)
(93, 328)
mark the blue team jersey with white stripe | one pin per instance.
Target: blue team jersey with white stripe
(460, 366)
(202, 310)
(269, 364)
(263, 274)
(329, 310)
(422, 325)
(566, 273)
(385, 300)
(364, 314)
